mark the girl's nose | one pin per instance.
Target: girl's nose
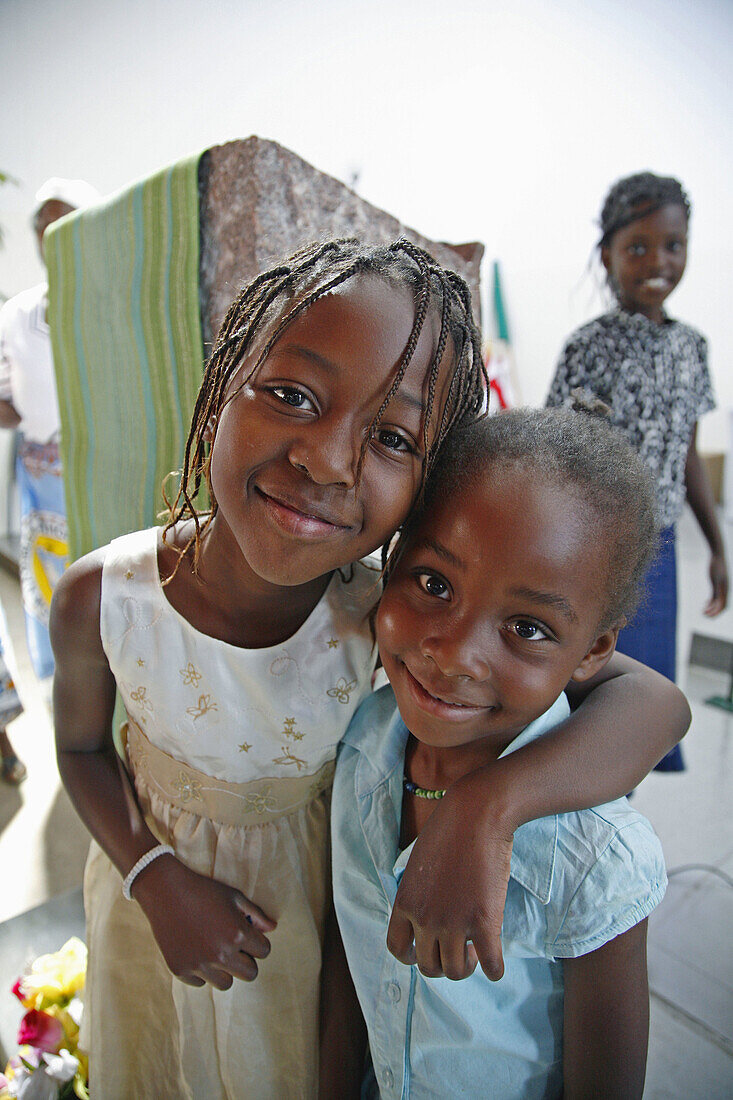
(329, 456)
(658, 259)
(462, 651)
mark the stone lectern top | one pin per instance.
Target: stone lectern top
(260, 202)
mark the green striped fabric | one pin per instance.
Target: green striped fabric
(128, 351)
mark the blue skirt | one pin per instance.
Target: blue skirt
(651, 637)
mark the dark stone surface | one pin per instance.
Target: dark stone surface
(259, 202)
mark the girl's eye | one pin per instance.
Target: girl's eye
(675, 246)
(529, 631)
(394, 441)
(289, 395)
(433, 585)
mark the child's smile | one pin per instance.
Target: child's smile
(288, 444)
(646, 260)
(493, 607)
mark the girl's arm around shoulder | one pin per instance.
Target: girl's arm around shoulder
(606, 1020)
(624, 720)
(454, 886)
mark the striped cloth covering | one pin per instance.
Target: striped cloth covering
(128, 352)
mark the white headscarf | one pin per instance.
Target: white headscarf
(76, 193)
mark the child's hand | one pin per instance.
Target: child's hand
(206, 931)
(454, 889)
(719, 581)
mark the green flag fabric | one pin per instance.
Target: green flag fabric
(500, 319)
(128, 352)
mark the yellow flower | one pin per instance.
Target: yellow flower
(54, 979)
(81, 1079)
(68, 1023)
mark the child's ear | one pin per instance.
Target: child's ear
(606, 257)
(597, 656)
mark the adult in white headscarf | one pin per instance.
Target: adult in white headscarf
(29, 403)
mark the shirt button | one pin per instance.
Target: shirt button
(388, 1078)
(394, 992)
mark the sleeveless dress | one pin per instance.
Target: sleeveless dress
(232, 755)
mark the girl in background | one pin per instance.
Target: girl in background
(239, 640)
(652, 373)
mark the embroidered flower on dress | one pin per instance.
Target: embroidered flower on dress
(333, 643)
(187, 787)
(289, 758)
(139, 695)
(203, 707)
(262, 802)
(190, 675)
(342, 690)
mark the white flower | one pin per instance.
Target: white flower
(61, 1066)
(75, 1009)
(33, 1085)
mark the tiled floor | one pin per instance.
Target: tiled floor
(42, 850)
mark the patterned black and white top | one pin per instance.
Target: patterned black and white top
(655, 380)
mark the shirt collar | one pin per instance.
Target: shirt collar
(639, 321)
(382, 763)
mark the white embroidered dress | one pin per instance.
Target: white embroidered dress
(232, 754)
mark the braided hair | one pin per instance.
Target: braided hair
(634, 197)
(263, 310)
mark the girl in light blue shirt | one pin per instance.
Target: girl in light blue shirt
(510, 584)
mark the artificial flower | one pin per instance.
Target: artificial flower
(49, 1064)
(30, 1084)
(40, 1030)
(55, 978)
(62, 1066)
(69, 1024)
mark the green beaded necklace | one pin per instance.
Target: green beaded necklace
(420, 792)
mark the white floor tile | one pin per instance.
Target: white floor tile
(683, 1063)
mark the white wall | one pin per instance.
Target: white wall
(465, 119)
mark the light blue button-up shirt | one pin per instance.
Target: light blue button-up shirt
(577, 880)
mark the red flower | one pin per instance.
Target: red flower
(18, 990)
(39, 1030)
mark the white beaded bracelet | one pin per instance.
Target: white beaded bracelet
(142, 863)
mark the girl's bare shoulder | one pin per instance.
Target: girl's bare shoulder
(76, 602)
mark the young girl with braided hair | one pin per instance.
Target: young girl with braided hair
(652, 372)
(240, 642)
